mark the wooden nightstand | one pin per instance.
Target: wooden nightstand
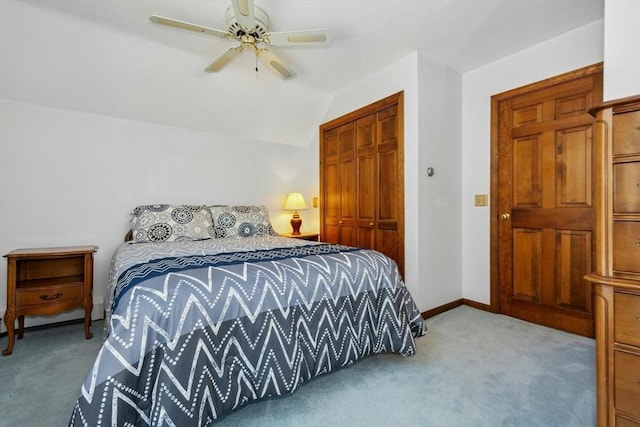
(304, 236)
(45, 281)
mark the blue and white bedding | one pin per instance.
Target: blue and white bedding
(198, 329)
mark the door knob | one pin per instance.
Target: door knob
(505, 217)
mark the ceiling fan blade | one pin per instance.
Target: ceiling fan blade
(298, 38)
(223, 59)
(191, 27)
(275, 64)
(245, 13)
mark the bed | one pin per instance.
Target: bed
(200, 326)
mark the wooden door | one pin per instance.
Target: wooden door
(543, 220)
(362, 178)
(338, 169)
(390, 183)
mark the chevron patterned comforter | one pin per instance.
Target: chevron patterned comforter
(199, 329)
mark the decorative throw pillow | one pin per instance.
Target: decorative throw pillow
(241, 221)
(167, 223)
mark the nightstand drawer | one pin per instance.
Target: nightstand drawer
(626, 246)
(51, 295)
(626, 318)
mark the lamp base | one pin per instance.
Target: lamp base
(296, 223)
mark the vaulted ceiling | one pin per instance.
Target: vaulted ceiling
(105, 57)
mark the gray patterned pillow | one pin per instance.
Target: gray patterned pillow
(167, 223)
(241, 221)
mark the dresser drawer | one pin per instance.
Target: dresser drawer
(51, 295)
(626, 133)
(623, 422)
(626, 318)
(626, 246)
(626, 187)
(627, 384)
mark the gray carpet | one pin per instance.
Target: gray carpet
(472, 369)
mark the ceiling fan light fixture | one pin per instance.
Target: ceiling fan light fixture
(249, 25)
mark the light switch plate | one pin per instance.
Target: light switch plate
(482, 199)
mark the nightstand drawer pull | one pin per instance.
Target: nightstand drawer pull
(48, 298)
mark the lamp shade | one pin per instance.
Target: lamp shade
(294, 202)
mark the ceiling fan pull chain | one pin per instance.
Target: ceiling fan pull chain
(256, 60)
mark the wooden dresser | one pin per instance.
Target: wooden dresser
(617, 268)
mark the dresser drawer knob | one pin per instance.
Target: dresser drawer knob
(48, 297)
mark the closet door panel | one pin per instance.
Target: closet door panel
(331, 199)
(367, 176)
(348, 184)
(330, 172)
(390, 214)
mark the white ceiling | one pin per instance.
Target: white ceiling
(105, 57)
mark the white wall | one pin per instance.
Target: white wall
(439, 196)
(69, 178)
(431, 138)
(55, 59)
(576, 49)
(621, 49)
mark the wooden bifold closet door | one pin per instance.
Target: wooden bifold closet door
(362, 179)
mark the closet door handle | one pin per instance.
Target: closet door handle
(371, 224)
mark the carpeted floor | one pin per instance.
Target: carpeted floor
(473, 368)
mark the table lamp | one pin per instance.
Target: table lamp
(295, 202)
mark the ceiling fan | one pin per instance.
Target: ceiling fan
(249, 25)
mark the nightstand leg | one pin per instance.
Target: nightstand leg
(9, 322)
(20, 327)
(87, 322)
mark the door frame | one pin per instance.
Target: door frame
(494, 246)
